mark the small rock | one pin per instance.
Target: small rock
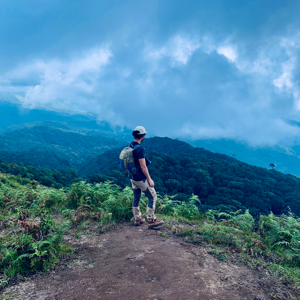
(260, 297)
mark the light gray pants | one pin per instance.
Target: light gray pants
(143, 186)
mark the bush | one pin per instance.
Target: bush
(21, 254)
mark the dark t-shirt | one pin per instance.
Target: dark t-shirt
(138, 153)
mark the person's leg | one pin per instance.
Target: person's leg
(137, 193)
(152, 198)
(150, 193)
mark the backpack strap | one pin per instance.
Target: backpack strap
(134, 147)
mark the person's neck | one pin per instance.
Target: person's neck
(138, 141)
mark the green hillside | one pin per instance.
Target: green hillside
(109, 160)
(53, 148)
(47, 177)
(89, 128)
(286, 158)
(221, 182)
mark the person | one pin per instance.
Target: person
(142, 182)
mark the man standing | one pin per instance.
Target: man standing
(142, 182)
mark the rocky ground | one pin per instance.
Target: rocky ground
(136, 263)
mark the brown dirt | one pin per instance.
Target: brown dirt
(137, 263)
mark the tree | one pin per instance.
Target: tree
(272, 166)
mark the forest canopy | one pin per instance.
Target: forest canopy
(221, 182)
(47, 177)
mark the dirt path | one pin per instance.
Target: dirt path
(137, 263)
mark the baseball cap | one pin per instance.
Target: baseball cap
(140, 129)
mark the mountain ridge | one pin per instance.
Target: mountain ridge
(13, 115)
(62, 148)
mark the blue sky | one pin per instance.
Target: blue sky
(198, 69)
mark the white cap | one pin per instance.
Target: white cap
(140, 129)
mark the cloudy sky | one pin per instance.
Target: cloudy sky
(199, 69)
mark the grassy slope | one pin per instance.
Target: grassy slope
(271, 241)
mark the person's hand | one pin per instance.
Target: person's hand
(151, 182)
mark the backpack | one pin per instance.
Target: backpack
(126, 159)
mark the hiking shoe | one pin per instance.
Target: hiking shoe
(139, 222)
(155, 223)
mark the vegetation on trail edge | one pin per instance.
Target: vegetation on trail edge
(34, 218)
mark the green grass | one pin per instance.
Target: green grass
(185, 232)
(164, 235)
(77, 236)
(7, 297)
(271, 241)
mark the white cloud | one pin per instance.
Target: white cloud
(182, 49)
(260, 133)
(61, 81)
(179, 49)
(286, 81)
(229, 52)
(276, 61)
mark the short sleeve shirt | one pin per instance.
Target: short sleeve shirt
(138, 153)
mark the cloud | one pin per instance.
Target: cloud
(202, 70)
(228, 52)
(287, 81)
(179, 49)
(185, 85)
(61, 81)
(256, 134)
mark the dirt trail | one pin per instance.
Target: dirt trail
(137, 263)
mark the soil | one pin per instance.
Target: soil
(136, 263)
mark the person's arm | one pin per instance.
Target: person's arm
(144, 169)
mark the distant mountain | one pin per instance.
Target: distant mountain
(50, 147)
(13, 114)
(286, 159)
(57, 138)
(85, 127)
